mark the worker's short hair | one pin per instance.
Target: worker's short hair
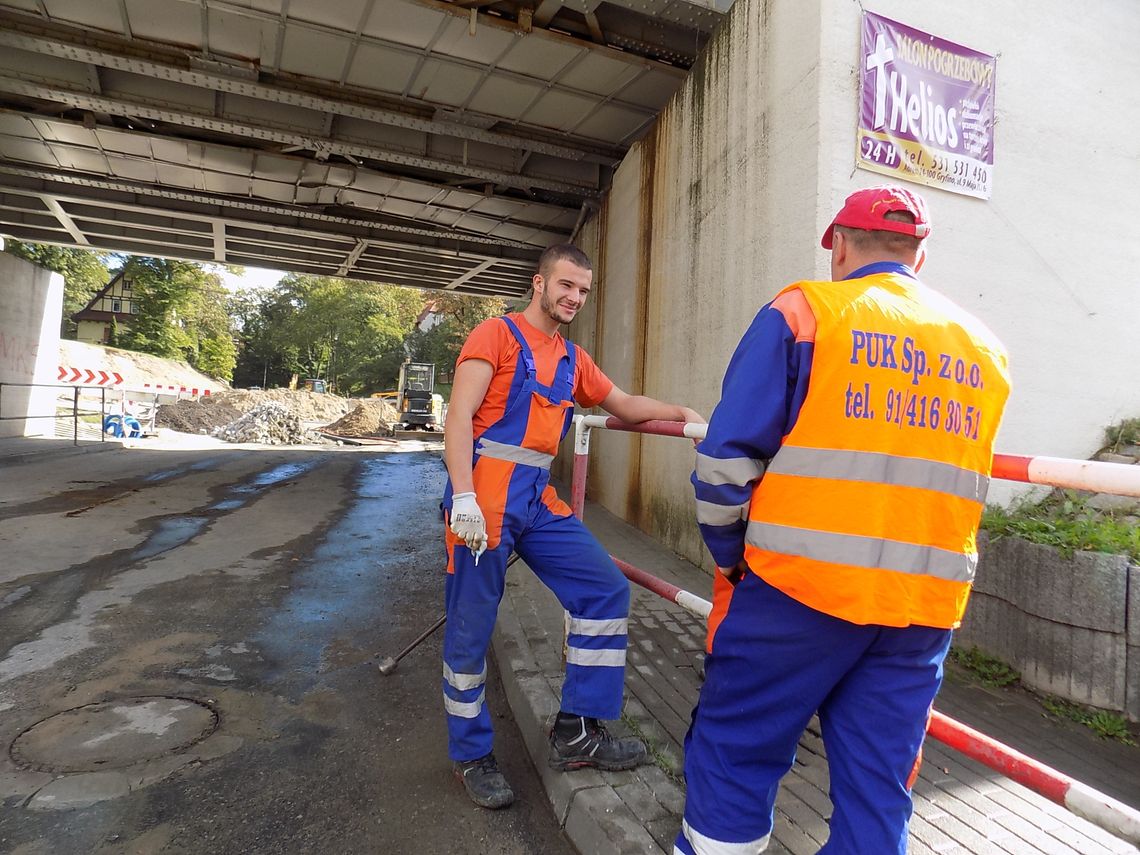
(562, 252)
(876, 239)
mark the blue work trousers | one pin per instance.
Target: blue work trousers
(570, 561)
(774, 663)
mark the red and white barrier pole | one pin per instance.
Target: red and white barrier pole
(1097, 807)
(1118, 478)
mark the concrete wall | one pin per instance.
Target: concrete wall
(1063, 622)
(1050, 261)
(688, 239)
(745, 167)
(31, 302)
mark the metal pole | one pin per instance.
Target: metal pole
(75, 415)
(102, 412)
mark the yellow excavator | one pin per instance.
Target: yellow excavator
(417, 402)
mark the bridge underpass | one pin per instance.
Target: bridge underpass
(416, 142)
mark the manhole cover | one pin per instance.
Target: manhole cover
(113, 734)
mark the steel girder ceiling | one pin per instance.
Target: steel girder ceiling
(420, 142)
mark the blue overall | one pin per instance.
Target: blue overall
(511, 459)
(774, 663)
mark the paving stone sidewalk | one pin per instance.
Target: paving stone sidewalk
(960, 806)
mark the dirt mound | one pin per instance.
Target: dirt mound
(269, 423)
(205, 414)
(216, 411)
(370, 418)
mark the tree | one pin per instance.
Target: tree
(182, 315)
(84, 273)
(461, 314)
(350, 333)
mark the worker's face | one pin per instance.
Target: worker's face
(563, 292)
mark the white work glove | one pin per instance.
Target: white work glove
(468, 524)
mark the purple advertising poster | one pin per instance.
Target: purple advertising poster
(926, 111)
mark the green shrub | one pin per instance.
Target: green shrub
(1125, 433)
(1063, 520)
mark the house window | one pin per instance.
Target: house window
(116, 305)
(106, 335)
(127, 284)
(134, 308)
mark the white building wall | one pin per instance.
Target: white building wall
(1052, 261)
(31, 302)
(756, 152)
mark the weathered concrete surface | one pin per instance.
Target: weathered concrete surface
(1060, 621)
(754, 154)
(263, 585)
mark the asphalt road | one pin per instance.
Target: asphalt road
(263, 585)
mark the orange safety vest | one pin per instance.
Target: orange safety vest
(869, 512)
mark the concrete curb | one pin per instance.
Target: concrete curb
(602, 813)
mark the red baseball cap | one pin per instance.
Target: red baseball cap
(867, 209)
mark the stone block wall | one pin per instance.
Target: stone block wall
(1070, 625)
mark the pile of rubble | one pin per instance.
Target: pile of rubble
(269, 423)
(370, 418)
(217, 413)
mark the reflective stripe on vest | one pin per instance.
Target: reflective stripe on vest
(513, 453)
(880, 468)
(869, 510)
(856, 551)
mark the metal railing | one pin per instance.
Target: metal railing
(76, 402)
(1097, 807)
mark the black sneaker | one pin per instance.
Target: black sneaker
(484, 782)
(577, 742)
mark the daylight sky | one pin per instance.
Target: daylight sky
(254, 279)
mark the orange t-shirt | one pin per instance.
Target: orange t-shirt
(492, 342)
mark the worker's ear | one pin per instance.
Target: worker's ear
(538, 283)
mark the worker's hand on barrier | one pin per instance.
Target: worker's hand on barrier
(468, 524)
(692, 417)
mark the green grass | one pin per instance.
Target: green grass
(661, 759)
(1106, 725)
(989, 670)
(1064, 521)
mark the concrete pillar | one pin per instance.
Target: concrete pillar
(31, 302)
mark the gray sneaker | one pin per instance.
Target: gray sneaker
(577, 742)
(484, 782)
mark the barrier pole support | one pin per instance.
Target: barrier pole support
(75, 415)
(102, 412)
(581, 461)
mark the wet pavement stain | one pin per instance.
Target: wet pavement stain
(172, 532)
(345, 578)
(79, 501)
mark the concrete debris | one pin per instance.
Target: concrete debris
(269, 423)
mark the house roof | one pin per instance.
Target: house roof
(87, 313)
